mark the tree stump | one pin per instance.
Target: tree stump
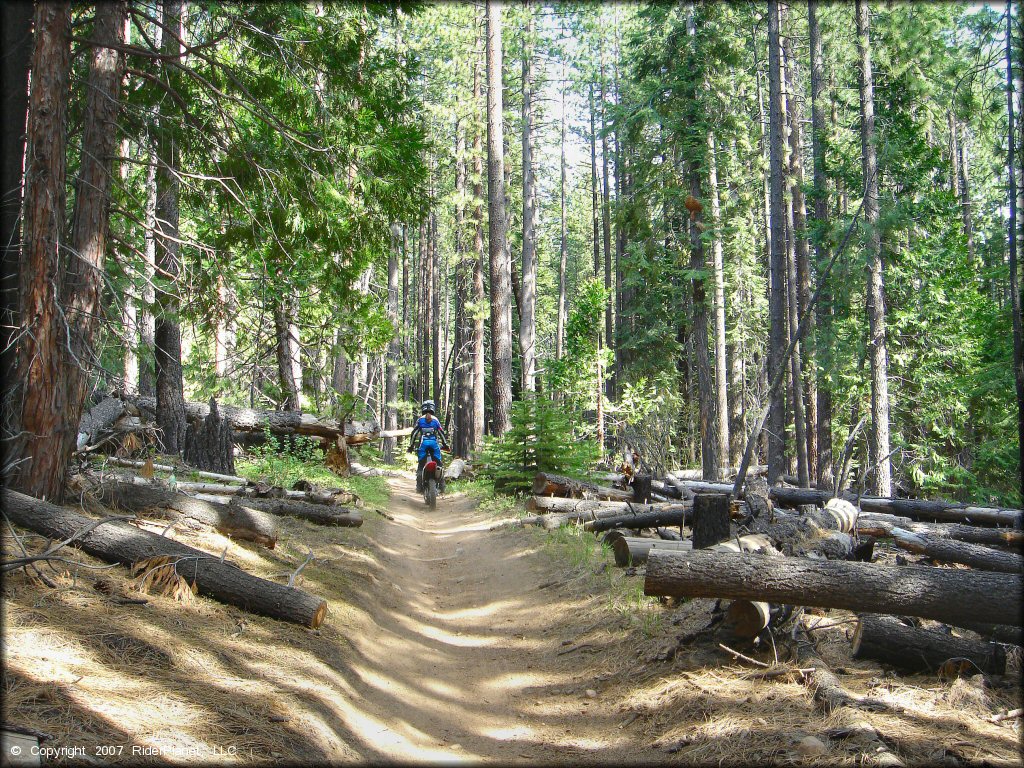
(208, 444)
(642, 488)
(710, 519)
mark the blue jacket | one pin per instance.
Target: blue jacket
(427, 422)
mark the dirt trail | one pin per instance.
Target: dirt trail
(464, 663)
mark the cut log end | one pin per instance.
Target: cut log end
(319, 615)
(745, 618)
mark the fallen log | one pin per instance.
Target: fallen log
(455, 469)
(557, 485)
(279, 422)
(558, 504)
(947, 551)
(1001, 633)
(915, 509)
(236, 522)
(184, 471)
(879, 524)
(321, 514)
(632, 550)
(912, 649)
(118, 542)
(698, 474)
(649, 517)
(665, 489)
(943, 594)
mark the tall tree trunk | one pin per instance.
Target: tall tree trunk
(501, 300)
(563, 249)
(82, 285)
(964, 188)
(595, 190)
(170, 397)
(1015, 295)
(881, 484)
(823, 309)
(34, 456)
(16, 31)
(721, 377)
(797, 258)
(435, 315)
(777, 258)
(146, 319)
(463, 358)
(528, 304)
(287, 345)
(606, 224)
(479, 385)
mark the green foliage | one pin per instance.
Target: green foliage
(280, 461)
(541, 439)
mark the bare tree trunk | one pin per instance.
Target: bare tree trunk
(37, 431)
(777, 259)
(964, 188)
(563, 251)
(528, 304)
(479, 385)
(82, 285)
(169, 386)
(463, 358)
(795, 225)
(606, 223)
(287, 346)
(501, 320)
(595, 190)
(881, 482)
(1015, 295)
(16, 31)
(823, 310)
(721, 377)
(435, 314)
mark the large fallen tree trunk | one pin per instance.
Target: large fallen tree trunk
(557, 485)
(237, 522)
(946, 551)
(915, 509)
(887, 639)
(279, 422)
(118, 542)
(943, 594)
(879, 524)
(321, 514)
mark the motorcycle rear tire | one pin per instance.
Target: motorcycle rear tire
(430, 494)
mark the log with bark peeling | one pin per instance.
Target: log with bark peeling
(237, 522)
(557, 485)
(943, 594)
(119, 542)
(116, 461)
(913, 649)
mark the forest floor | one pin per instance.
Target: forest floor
(451, 638)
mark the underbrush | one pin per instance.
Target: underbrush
(593, 563)
(303, 460)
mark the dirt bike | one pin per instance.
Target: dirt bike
(431, 479)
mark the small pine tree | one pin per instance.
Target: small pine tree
(541, 438)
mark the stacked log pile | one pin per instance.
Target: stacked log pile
(817, 551)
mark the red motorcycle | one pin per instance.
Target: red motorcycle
(433, 479)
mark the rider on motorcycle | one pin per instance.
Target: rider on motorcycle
(429, 433)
